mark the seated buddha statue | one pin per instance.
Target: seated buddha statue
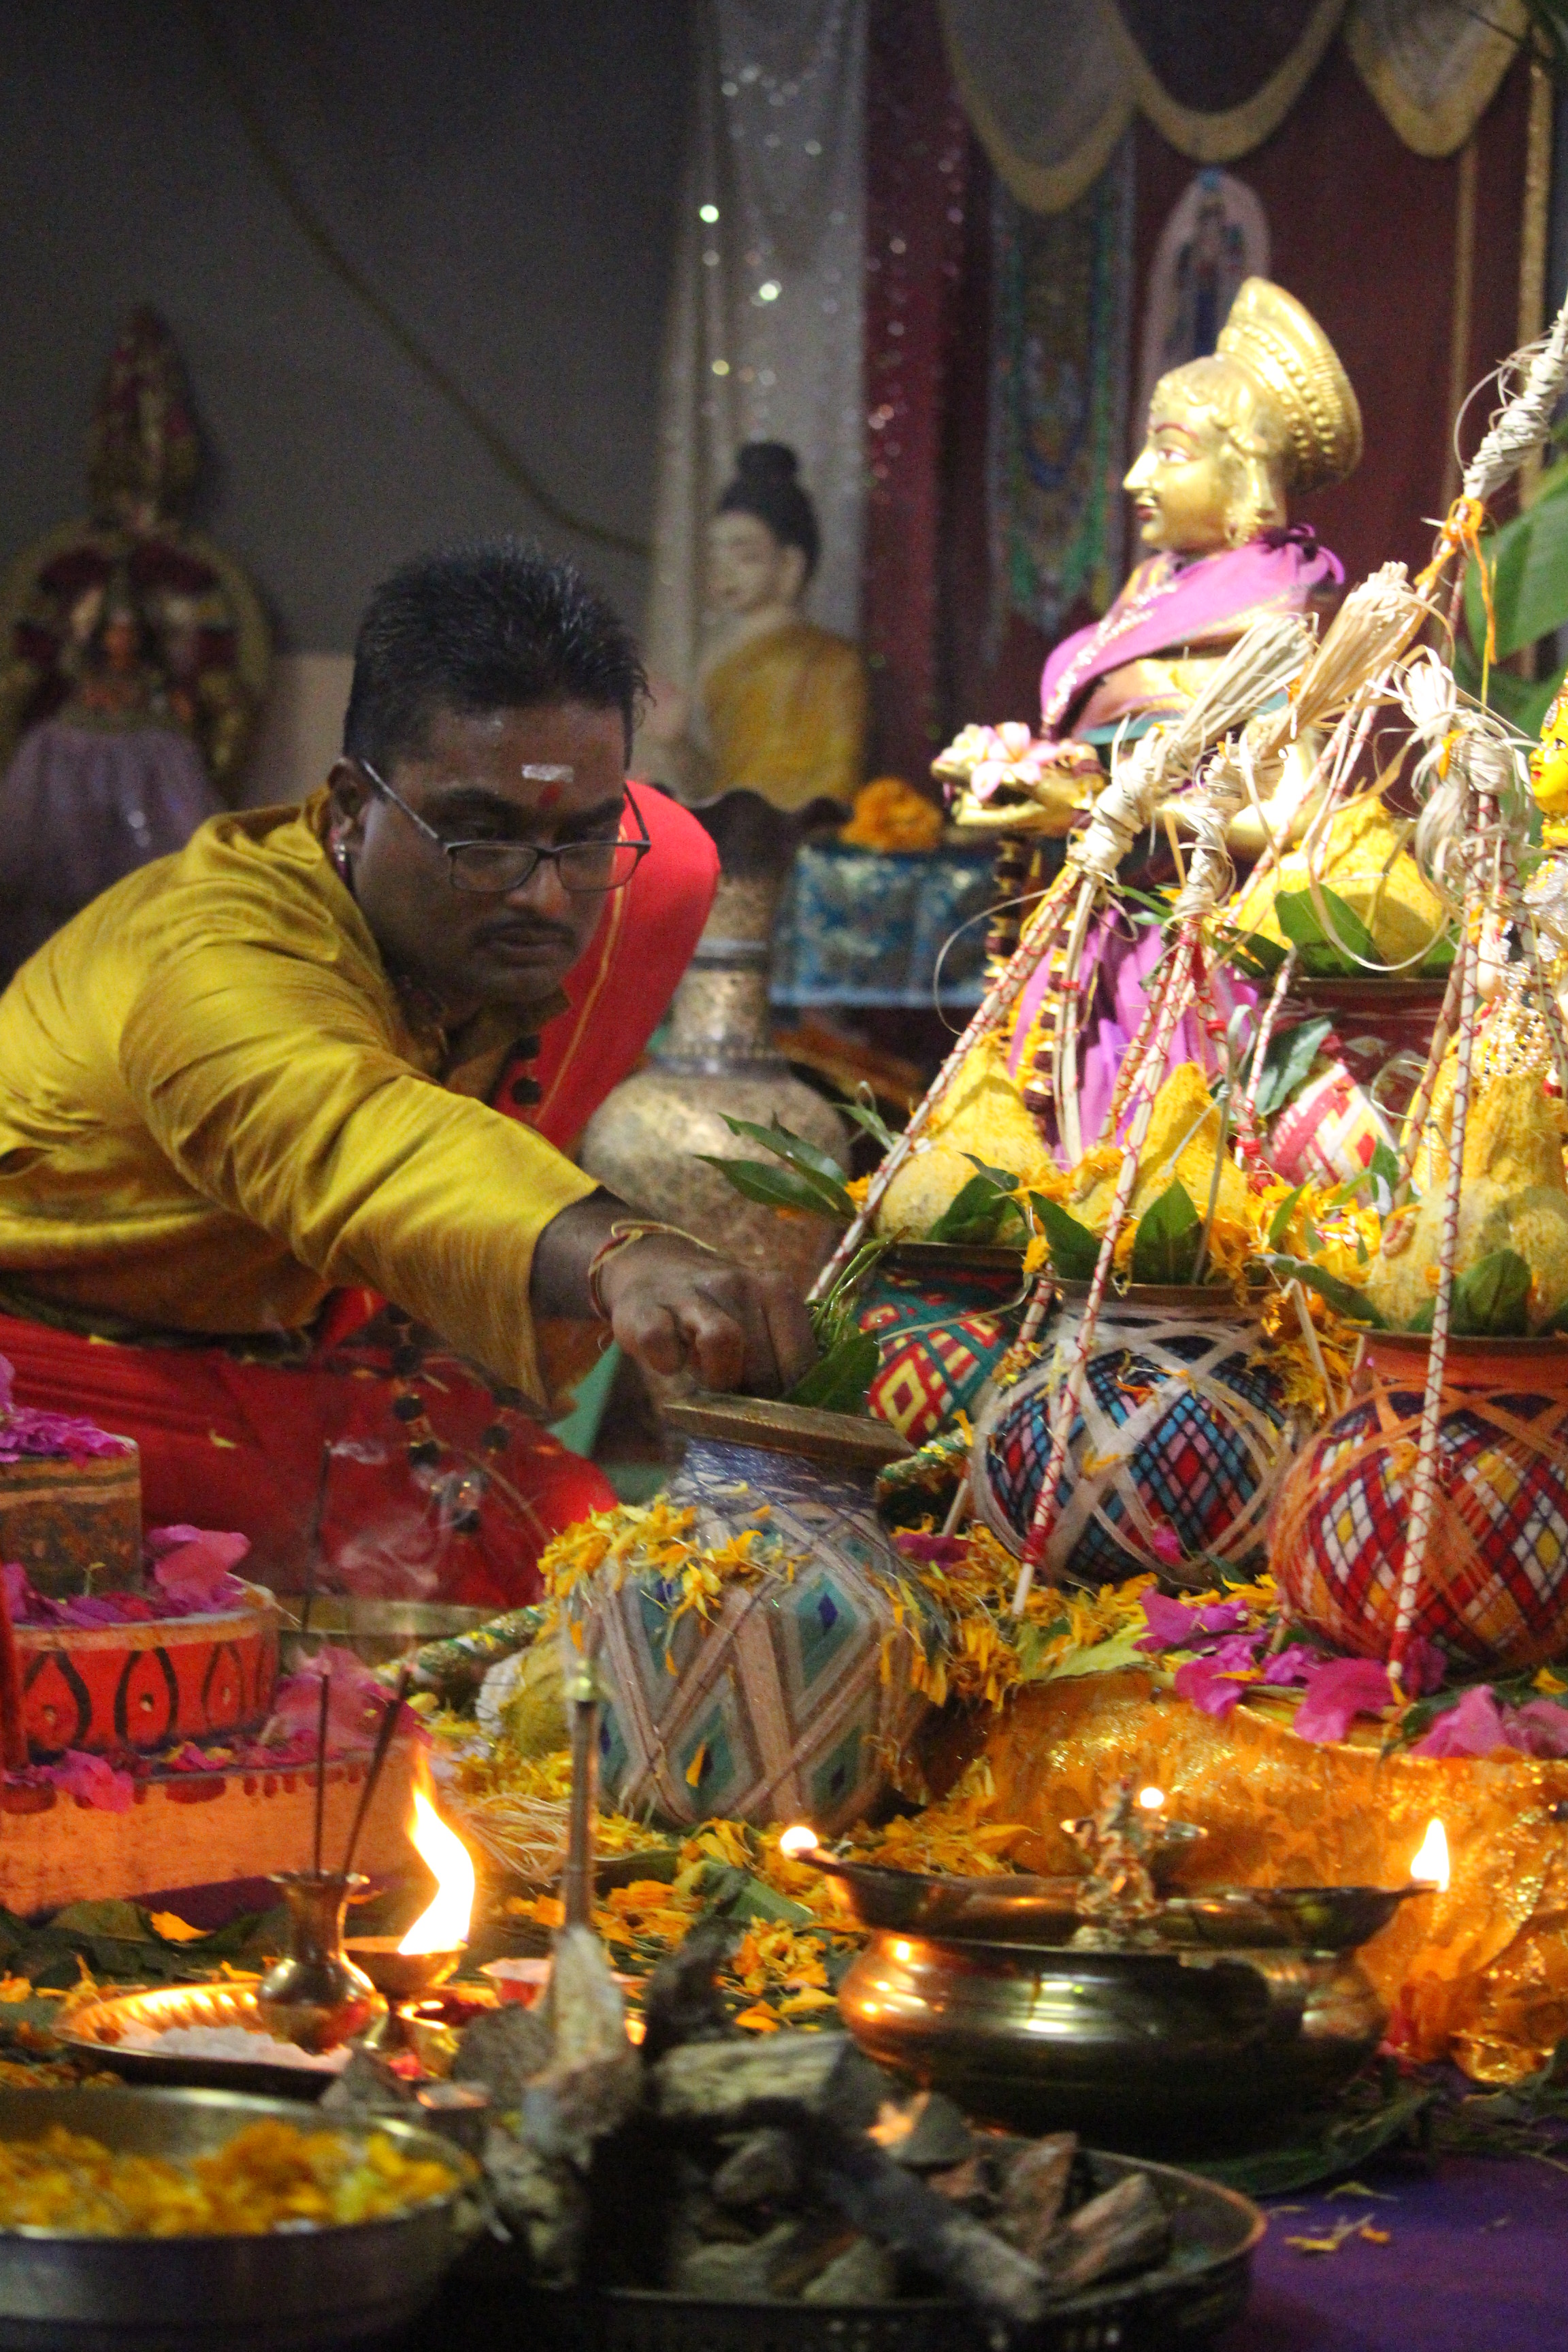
(1231, 440)
(780, 705)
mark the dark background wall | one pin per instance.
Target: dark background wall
(503, 172)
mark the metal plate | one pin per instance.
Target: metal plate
(95, 2030)
(853, 1440)
(283, 2292)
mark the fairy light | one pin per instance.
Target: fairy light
(1151, 1798)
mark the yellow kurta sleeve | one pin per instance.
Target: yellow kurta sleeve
(271, 1085)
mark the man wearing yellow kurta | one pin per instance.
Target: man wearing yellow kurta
(289, 1066)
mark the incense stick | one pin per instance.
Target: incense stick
(322, 1705)
(13, 1731)
(387, 1726)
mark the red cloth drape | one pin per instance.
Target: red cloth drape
(232, 1445)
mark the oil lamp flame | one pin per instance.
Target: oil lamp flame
(799, 1838)
(444, 1927)
(1430, 1868)
(1151, 1798)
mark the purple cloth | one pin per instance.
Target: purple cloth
(1179, 600)
(1476, 2262)
(79, 808)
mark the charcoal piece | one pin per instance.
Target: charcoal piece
(938, 2135)
(731, 2273)
(864, 2272)
(683, 2003)
(503, 2050)
(964, 2184)
(541, 2201)
(762, 2170)
(780, 2078)
(1033, 2191)
(566, 2110)
(815, 2241)
(898, 2209)
(1125, 2229)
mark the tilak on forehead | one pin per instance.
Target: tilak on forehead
(551, 777)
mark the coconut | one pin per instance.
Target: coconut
(983, 1113)
(1364, 861)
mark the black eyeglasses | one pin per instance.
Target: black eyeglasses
(491, 867)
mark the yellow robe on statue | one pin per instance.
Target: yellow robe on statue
(786, 716)
(213, 1110)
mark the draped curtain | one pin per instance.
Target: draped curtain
(765, 333)
(1051, 85)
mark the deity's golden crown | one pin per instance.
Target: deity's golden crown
(1282, 348)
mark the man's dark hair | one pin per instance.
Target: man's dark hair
(494, 626)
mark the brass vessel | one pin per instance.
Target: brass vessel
(313, 1995)
(718, 1057)
(1141, 2050)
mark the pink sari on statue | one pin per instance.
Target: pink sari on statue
(1173, 605)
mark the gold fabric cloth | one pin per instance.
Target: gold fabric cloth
(1478, 1974)
(214, 1108)
(786, 716)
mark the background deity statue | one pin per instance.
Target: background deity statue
(133, 658)
(780, 705)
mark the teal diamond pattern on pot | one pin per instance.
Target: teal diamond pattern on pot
(657, 1638)
(716, 1778)
(826, 1619)
(839, 1772)
(614, 1758)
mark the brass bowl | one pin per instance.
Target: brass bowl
(398, 1975)
(1008, 1907)
(285, 2292)
(1138, 2049)
(1328, 1919)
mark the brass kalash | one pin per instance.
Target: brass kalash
(1148, 2019)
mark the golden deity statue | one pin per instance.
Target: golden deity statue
(1270, 416)
(780, 704)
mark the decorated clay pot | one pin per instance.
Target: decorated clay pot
(792, 1700)
(149, 1686)
(1382, 1029)
(1182, 1437)
(1495, 1588)
(943, 1318)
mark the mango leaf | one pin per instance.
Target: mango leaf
(971, 1216)
(1342, 1296)
(867, 1116)
(778, 1188)
(806, 1158)
(1490, 1299)
(837, 1382)
(1165, 1245)
(1280, 1223)
(1256, 957)
(1324, 957)
(1287, 1062)
(1074, 1250)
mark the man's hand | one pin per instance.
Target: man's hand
(672, 1305)
(677, 1308)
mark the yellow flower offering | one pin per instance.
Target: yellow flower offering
(1364, 860)
(890, 815)
(270, 2176)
